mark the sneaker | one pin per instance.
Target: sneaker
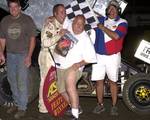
(68, 111)
(19, 114)
(80, 110)
(12, 109)
(114, 111)
(73, 117)
(99, 109)
(43, 111)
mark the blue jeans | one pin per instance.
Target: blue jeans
(17, 74)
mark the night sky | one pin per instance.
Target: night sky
(137, 7)
(138, 2)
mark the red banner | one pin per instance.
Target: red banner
(54, 101)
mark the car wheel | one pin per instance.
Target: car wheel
(136, 93)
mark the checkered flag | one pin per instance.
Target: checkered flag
(82, 7)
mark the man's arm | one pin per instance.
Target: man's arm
(109, 32)
(2, 48)
(56, 37)
(3, 43)
(30, 51)
(2, 58)
(49, 35)
(31, 46)
(76, 66)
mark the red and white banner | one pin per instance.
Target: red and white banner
(54, 101)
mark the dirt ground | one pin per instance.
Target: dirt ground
(87, 104)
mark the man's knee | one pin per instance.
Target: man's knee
(99, 83)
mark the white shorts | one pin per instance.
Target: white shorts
(106, 64)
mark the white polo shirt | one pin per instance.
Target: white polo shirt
(82, 50)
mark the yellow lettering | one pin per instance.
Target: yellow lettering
(53, 96)
(60, 108)
(52, 89)
(56, 103)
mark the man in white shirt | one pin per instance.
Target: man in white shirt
(70, 67)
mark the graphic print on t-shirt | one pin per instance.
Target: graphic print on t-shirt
(14, 31)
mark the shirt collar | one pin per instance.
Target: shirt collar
(116, 19)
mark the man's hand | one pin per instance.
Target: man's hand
(2, 58)
(27, 61)
(62, 32)
(101, 26)
(76, 66)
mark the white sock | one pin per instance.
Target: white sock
(75, 112)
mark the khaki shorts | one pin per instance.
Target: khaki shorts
(61, 78)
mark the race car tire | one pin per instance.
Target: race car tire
(136, 93)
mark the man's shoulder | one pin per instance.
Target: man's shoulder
(123, 20)
(49, 22)
(26, 17)
(6, 18)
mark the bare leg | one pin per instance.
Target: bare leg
(100, 91)
(71, 89)
(114, 91)
(65, 95)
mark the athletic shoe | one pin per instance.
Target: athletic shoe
(114, 111)
(99, 109)
(12, 109)
(19, 114)
(68, 111)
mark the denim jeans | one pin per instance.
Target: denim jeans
(17, 74)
